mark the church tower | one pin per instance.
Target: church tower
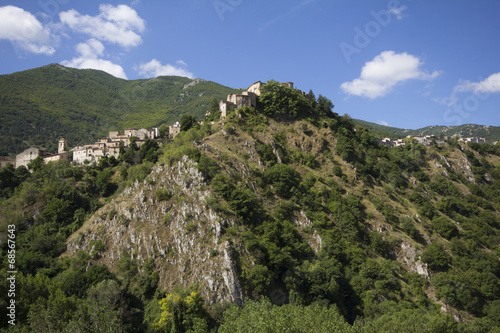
(62, 145)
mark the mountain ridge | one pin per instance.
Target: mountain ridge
(38, 106)
(489, 132)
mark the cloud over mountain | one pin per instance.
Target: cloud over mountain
(89, 53)
(154, 68)
(385, 71)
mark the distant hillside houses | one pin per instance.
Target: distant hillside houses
(111, 145)
(474, 139)
(426, 140)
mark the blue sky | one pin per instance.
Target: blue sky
(404, 63)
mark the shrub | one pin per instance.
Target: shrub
(112, 214)
(445, 227)
(436, 257)
(283, 178)
(190, 227)
(162, 194)
(409, 227)
(208, 167)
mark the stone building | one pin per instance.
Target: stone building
(173, 130)
(246, 98)
(31, 153)
(6, 160)
(110, 146)
(255, 88)
(225, 107)
(27, 156)
(61, 147)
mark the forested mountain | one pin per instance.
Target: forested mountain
(280, 218)
(39, 106)
(492, 133)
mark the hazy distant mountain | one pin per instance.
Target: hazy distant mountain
(492, 133)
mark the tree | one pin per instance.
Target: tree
(262, 316)
(187, 122)
(181, 313)
(324, 106)
(8, 180)
(278, 99)
(214, 111)
(149, 151)
(133, 143)
(283, 178)
(36, 164)
(164, 130)
(436, 257)
(445, 227)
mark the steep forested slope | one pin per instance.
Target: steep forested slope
(286, 204)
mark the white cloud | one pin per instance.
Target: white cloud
(154, 68)
(489, 85)
(119, 25)
(385, 71)
(398, 11)
(24, 30)
(90, 52)
(383, 123)
(181, 63)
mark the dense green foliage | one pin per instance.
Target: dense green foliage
(321, 215)
(263, 316)
(39, 106)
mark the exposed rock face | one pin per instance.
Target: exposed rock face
(193, 83)
(313, 239)
(182, 234)
(465, 167)
(411, 260)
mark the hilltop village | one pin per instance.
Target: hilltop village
(117, 142)
(109, 146)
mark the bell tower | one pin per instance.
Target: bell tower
(62, 145)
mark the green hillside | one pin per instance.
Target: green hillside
(282, 218)
(39, 106)
(491, 133)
